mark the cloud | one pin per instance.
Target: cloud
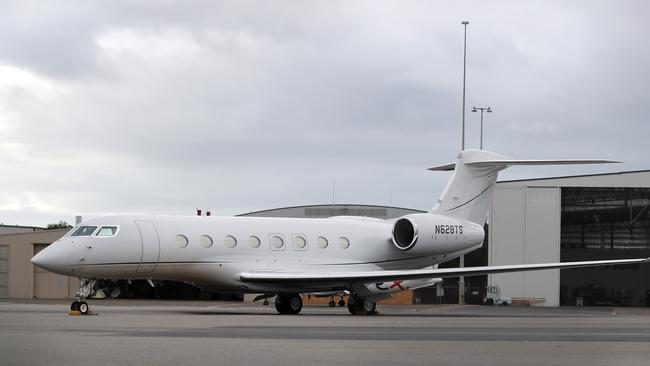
(109, 107)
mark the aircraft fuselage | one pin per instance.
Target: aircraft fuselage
(210, 252)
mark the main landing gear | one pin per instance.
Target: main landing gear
(288, 303)
(360, 306)
(333, 303)
(86, 287)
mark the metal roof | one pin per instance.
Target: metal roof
(575, 176)
(22, 226)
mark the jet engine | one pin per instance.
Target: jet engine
(431, 234)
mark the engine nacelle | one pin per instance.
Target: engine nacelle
(431, 234)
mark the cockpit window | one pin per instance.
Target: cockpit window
(84, 231)
(107, 231)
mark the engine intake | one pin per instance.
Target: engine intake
(405, 233)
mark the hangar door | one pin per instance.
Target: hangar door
(525, 228)
(48, 285)
(4, 271)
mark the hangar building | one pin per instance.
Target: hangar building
(19, 278)
(590, 217)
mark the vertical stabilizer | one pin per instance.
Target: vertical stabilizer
(468, 194)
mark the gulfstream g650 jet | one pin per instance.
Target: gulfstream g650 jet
(365, 257)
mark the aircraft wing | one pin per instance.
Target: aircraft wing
(338, 278)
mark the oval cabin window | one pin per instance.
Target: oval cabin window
(254, 241)
(344, 242)
(230, 241)
(299, 242)
(206, 241)
(322, 242)
(181, 241)
(277, 242)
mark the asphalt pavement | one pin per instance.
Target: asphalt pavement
(223, 333)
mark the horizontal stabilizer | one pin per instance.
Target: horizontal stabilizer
(487, 163)
(510, 162)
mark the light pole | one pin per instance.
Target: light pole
(464, 23)
(482, 109)
(461, 282)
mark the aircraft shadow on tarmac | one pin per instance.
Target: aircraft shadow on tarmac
(456, 313)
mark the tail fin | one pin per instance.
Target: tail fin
(468, 194)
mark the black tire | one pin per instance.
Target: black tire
(341, 303)
(332, 303)
(83, 307)
(359, 306)
(281, 305)
(489, 302)
(353, 307)
(294, 303)
(74, 306)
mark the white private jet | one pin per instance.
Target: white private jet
(284, 257)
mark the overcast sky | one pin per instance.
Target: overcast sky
(162, 106)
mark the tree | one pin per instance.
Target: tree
(59, 225)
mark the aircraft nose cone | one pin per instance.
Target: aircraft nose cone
(43, 259)
(38, 258)
(54, 258)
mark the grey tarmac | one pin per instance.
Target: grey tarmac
(127, 332)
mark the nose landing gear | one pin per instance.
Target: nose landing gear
(79, 306)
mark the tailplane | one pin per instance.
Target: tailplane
(468, 195)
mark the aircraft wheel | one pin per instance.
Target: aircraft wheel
(359, 306)
(354, 308)
(294, 302)
(332, 303)
(369, 307)
(74, 306)
(83, 307)
(281, 304)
